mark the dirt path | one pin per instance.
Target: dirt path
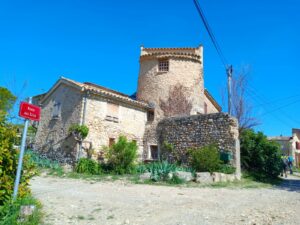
(73, 201)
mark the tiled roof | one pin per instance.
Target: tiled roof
(99, 90)
(193, 53)
(280, 138)
(212, 100)
(180, 48)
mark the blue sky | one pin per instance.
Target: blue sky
(99, 42)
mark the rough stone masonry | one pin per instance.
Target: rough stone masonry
(200, 130)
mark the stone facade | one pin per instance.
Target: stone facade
(108, 125)
(60, 110)
(201, 130)
(290, 145)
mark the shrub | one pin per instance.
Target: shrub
(226, 168)
(160, 170)
(8, 164)
(88, 166)
(121, 156)
(80, 131)
(259, 156)
(205, 159)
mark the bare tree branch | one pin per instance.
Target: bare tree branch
(241, 107)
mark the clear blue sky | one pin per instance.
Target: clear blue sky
(99, 41)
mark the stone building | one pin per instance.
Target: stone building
(290, 145)
(170, 84)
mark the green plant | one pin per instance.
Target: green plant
(121, 156)
(259, 156)
(80, 131)
(175, 179)
(9, 213)
(8, 163)
(226, 168)
(88, 166)
(205, 159)
(160, 171)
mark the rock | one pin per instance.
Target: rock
(204, 178)
(230, 177)
(145, 176)
(223, 177)
(67, 168)
(26, 211)
(216, 177)
(186, 176)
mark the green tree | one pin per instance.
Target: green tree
(205, 159)
(259, 156)
(122, 155)
(7, 100)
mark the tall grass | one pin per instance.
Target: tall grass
(9, 213)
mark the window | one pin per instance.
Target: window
(150, 115)
(112, 112)
(154, 152)
(163, 66)
(56, 110)
(111, 141)
(205, 108)
(297, 145)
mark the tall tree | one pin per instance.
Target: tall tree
(241, 106)
(7, 100)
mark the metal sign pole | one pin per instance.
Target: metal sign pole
(18, 175)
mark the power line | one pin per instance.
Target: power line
(228, 68)
(278, 100)
(211, 34)
(260, 100)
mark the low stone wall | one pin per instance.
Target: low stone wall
(201, 130)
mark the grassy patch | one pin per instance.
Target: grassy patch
(110, 217)
(9, 213)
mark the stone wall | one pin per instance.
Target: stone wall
(200, 130)
(52, 139)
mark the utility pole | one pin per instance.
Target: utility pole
(229, 79)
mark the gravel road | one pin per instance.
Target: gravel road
(82, 202)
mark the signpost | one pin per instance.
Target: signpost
(29, 112)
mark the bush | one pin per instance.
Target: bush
(226, 168)
(121, 156)
(259, 156)
(205, 159)
(88, 166)
(80, 131)
(8, 164)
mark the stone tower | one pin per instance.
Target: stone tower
(171, 81)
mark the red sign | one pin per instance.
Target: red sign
(29, 111)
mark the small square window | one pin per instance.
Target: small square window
(154, 152)
(163, 65)
(111, 142)
(56, 110)
(112, 112)
(150, 115)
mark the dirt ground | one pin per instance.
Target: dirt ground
(75, 201)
